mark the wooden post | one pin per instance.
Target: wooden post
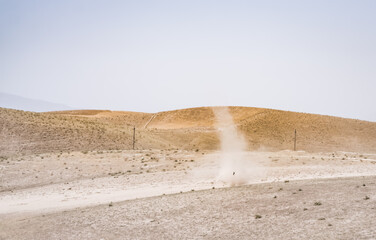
(295, 141)
(134, 136)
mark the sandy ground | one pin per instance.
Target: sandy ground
(173, 194)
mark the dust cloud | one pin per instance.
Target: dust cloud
(237, 166)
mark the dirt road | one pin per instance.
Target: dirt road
(177, 194)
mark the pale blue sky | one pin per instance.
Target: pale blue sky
(307, 56)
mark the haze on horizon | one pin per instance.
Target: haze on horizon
(150, 56)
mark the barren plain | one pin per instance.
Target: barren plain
(73, 175)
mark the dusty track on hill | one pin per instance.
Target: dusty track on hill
(187, 129)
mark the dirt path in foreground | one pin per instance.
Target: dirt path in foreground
(197, 175)
(343, 208)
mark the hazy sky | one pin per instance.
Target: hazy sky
(307, 56)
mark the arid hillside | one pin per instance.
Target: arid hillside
(194, 128)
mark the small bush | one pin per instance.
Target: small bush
(258, 216)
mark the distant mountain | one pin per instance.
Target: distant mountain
(28, 104)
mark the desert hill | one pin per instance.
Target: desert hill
(194, 128)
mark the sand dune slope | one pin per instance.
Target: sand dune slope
(194, 128)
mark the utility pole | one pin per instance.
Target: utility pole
(134, 136)
(295, 141)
